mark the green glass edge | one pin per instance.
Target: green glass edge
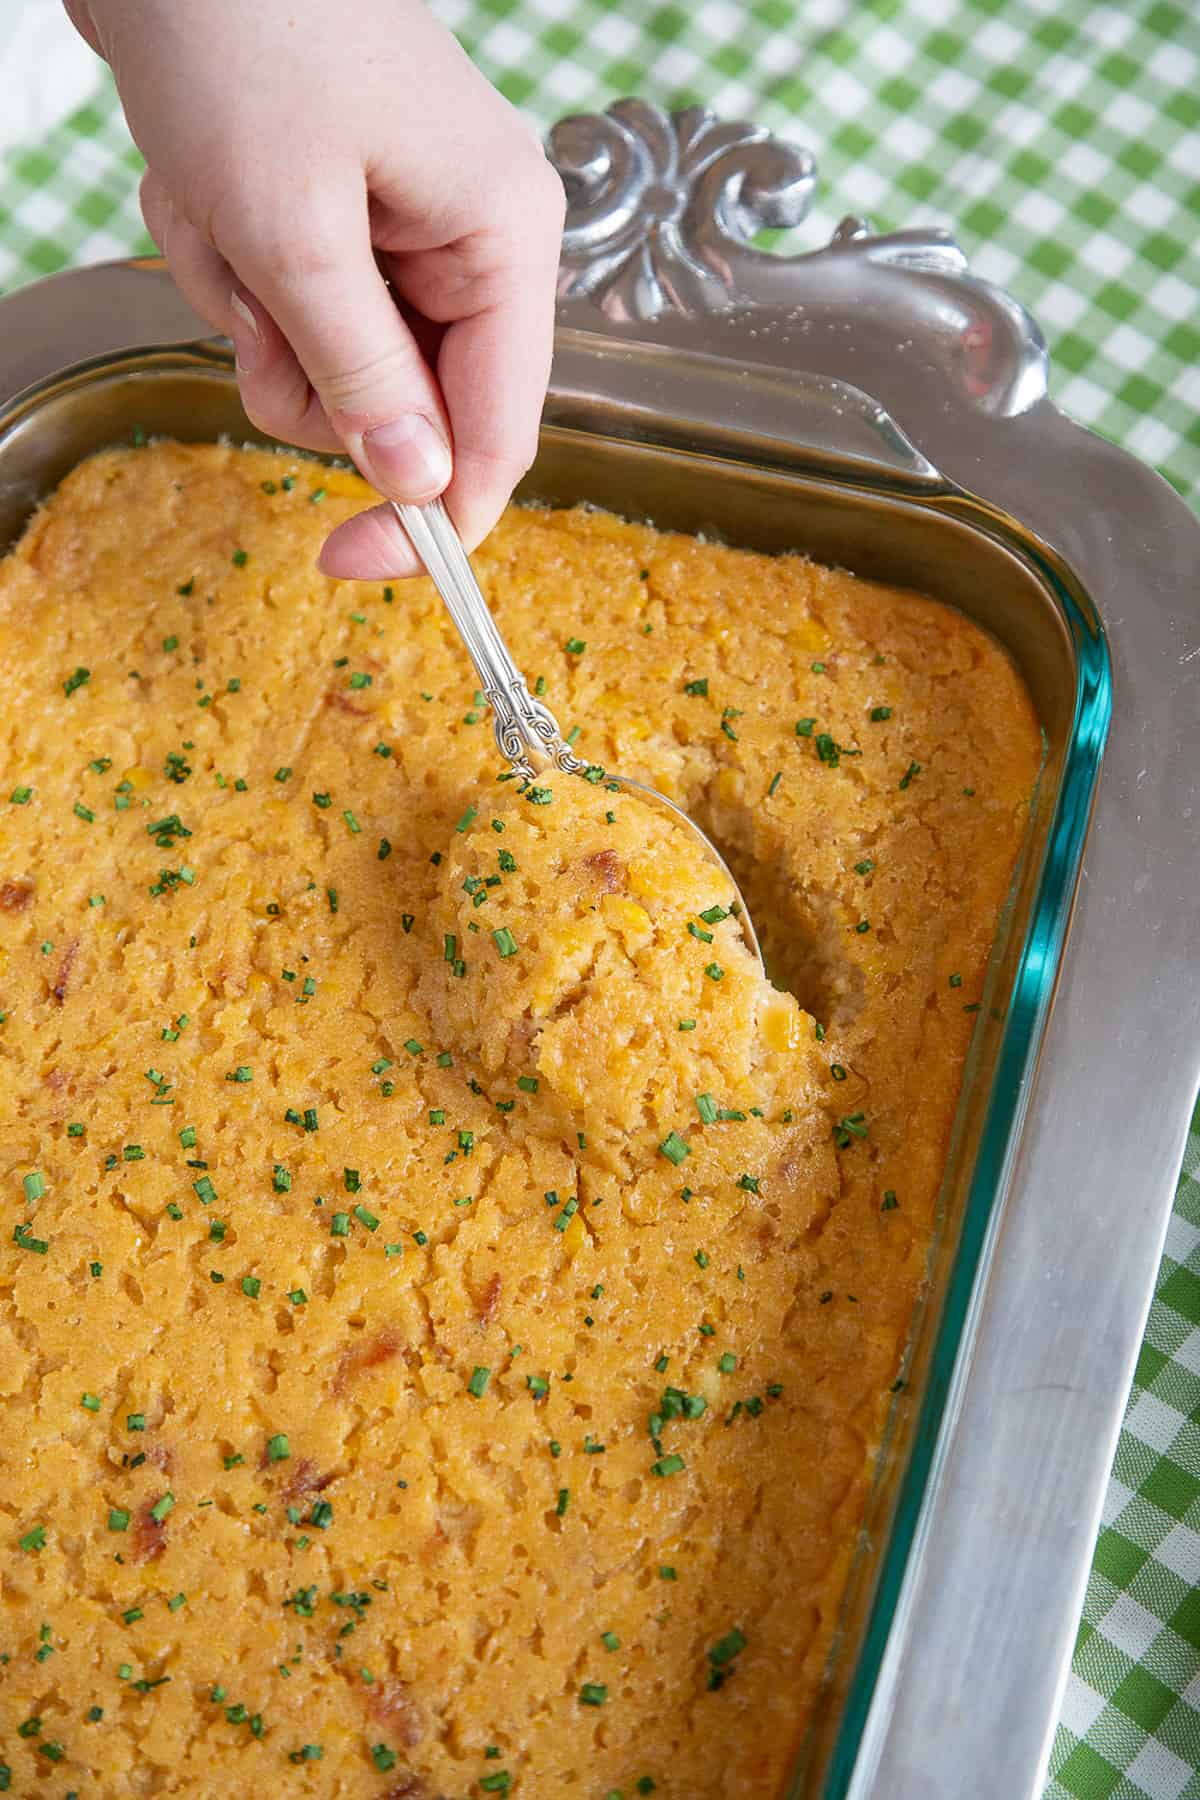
(1028, 1012)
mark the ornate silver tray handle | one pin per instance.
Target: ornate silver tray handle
(662, 209)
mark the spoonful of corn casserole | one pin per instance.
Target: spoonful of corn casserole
(527, 732)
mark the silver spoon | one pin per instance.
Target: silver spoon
(526, 731)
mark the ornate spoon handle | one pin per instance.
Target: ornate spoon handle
(526, 731)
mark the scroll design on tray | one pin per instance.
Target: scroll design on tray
(662, 209)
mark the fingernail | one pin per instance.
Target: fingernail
(407, 457)
(247, 338)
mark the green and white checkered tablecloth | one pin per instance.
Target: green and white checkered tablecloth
(1062, 140)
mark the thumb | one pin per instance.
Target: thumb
(324, 291)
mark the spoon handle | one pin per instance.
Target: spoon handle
(526, 731)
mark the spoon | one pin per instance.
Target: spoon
(527, 732)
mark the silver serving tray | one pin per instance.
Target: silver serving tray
(874, 404)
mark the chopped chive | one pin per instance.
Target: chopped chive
(674, 1148)
(504, 941)
(478, 1382)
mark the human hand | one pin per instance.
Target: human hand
(302, 156)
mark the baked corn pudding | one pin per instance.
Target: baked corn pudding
(449, 1300)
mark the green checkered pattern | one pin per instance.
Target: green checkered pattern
(1061, 140)
(1131, 1716)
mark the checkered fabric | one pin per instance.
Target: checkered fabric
(1061, 140)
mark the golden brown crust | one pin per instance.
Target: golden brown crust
(428, 1519)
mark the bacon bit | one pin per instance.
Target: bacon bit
(790, 1167)
(304, 1477)
(392, 1706)
(149, 1537)
(230, 978)
(521, 1034)
(434, 1544)
(59, 990)
(357, 1358)
(488, 1302)
(15, 896)
(410, 1786)
(608, 869)
(342, 703)
(54, 1078)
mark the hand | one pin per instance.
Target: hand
(301, 157)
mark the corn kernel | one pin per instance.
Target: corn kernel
(808, 635)
(631, 920)
(780, 1024)
(574, 1238)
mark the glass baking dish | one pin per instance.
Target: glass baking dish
(741, 423)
